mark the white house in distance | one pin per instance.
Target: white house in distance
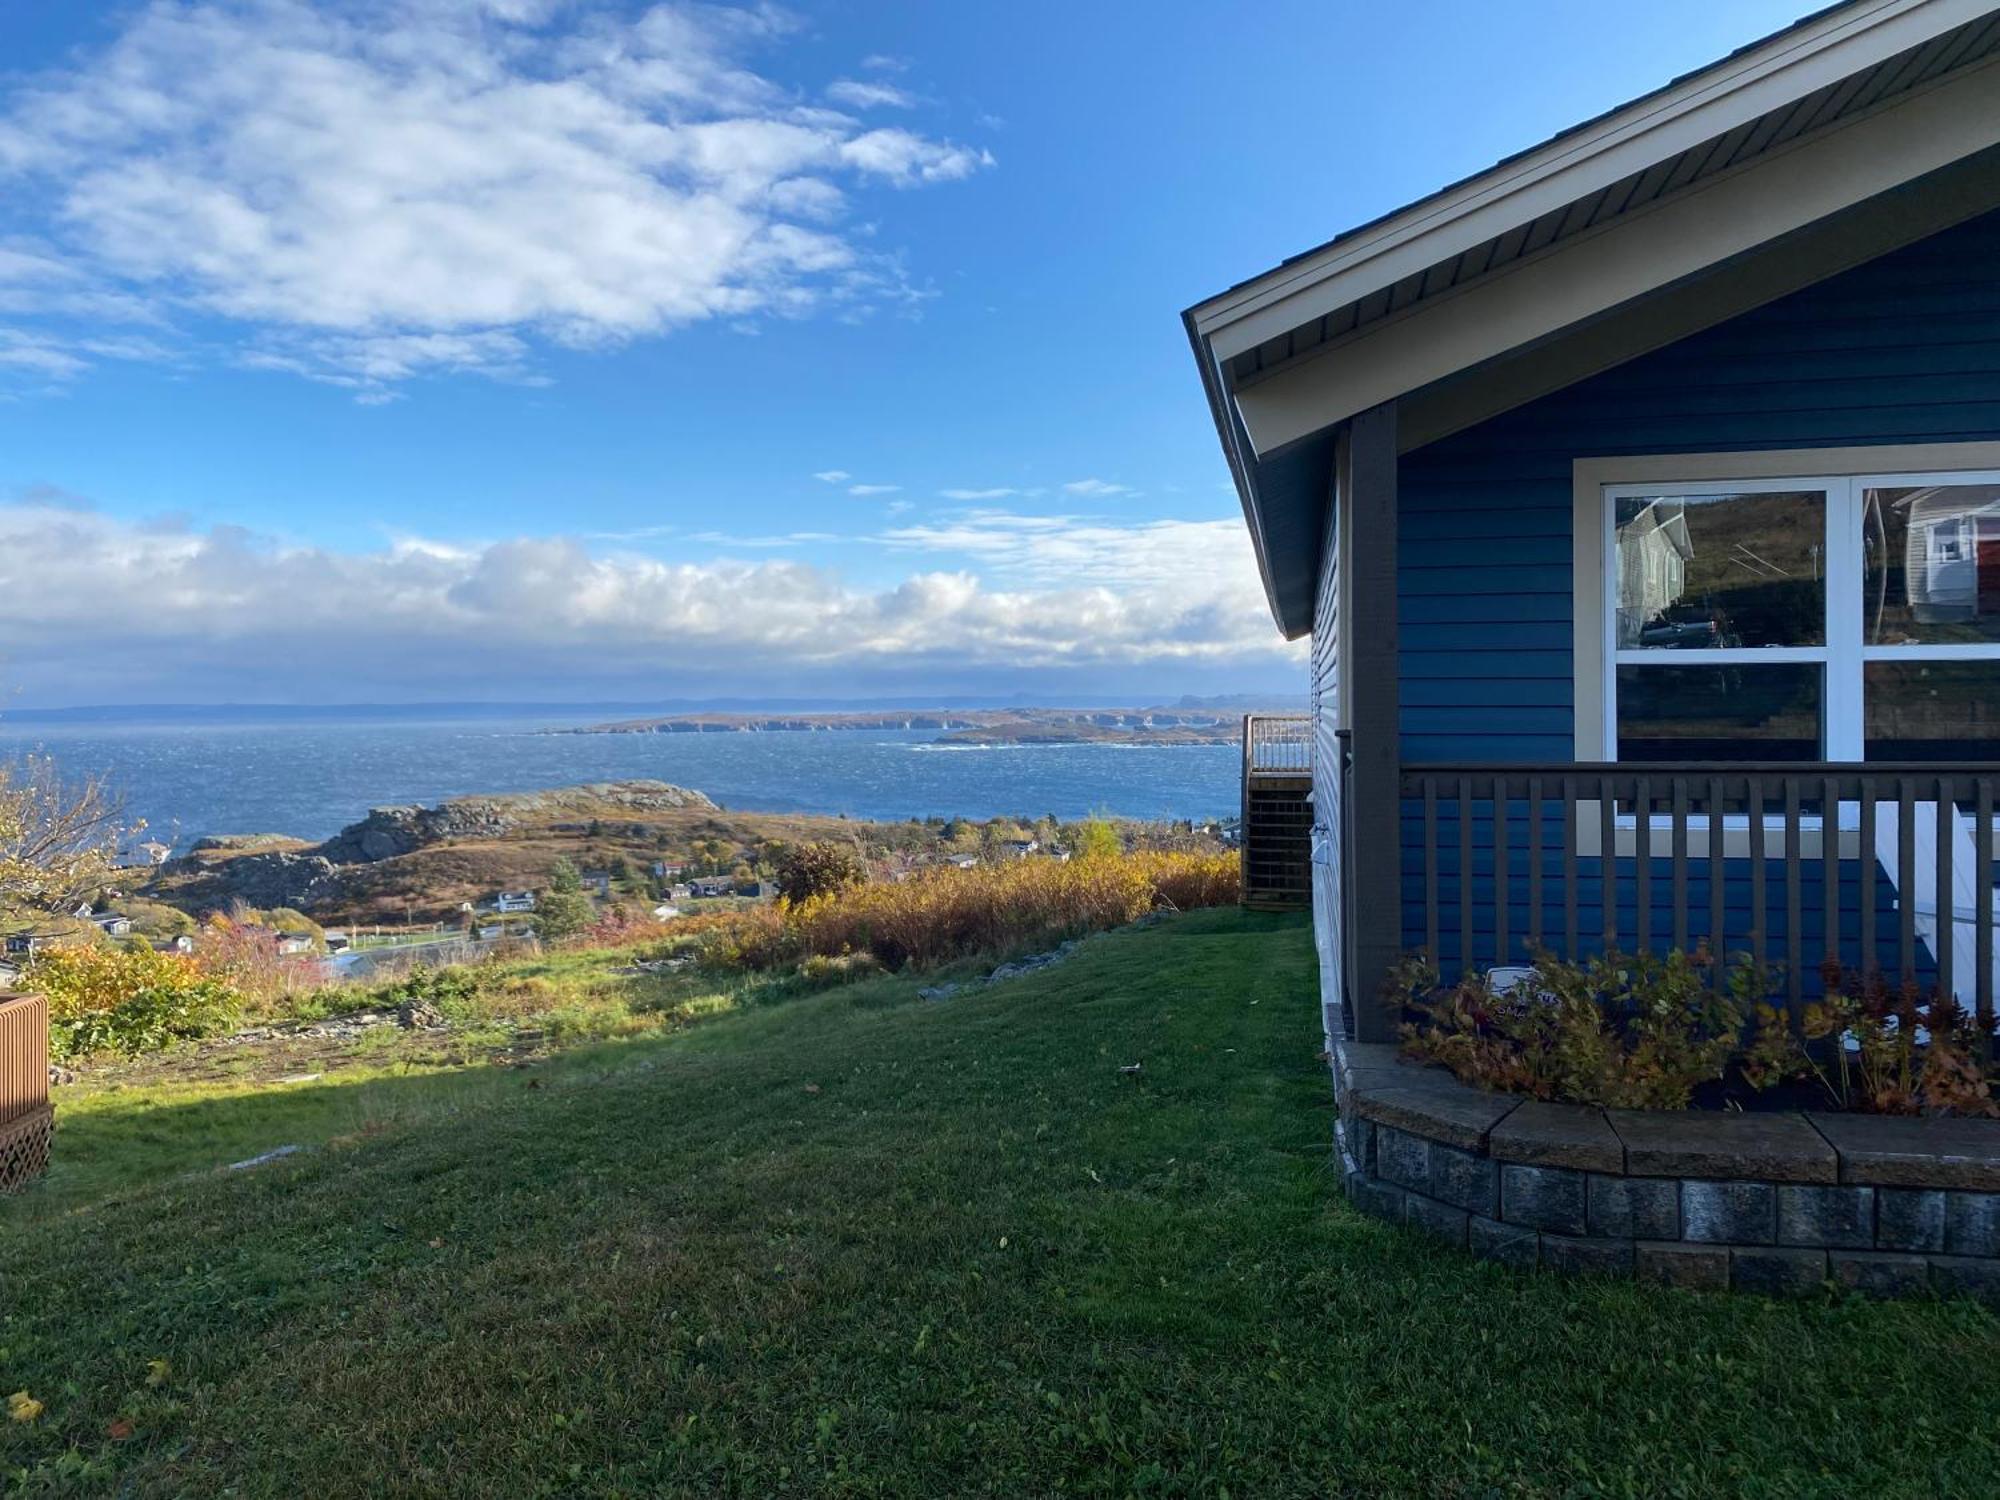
(513, 901)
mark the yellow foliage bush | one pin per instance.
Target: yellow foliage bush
(127, 999)
(949, 913)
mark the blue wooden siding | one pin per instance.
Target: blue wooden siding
(1905, 349)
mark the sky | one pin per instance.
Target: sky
(538, 350)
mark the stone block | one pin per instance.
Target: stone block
(1914, 1151)
(1722, 1146)
(1972, 1224)
(1675, 1263)
(1508, 1244)
(1465, 1180)
(1879, 1274)
(1639, 1208)
(1377, 1199)
(1360, 1137)
(1729, 1213)
(1776, 1272)
(1558, 1135)
(1826, 1216)
(1576, 1256)
(1439, 1220)
(1403, 1159)
(1430, 1102)
(1548, 1198)
(1961, 1276)
(1909, 1219)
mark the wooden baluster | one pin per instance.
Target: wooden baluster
(1906, 869)
(1503, 943)
(1680, 859)
(1794, 904)
(1569, 868)
(1947, 905)
(1534, 863)
(1431, 950)
(1465, 958)
(1718, 939)
(1753, 798)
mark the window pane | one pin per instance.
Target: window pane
(1721, 570)
(1931, 710)
(1719, 712)
(1933, 564)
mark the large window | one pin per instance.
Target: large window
(1845, 618)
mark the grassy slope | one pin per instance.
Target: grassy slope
(857, 1244)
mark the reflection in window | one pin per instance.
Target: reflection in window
(1931, 710)
(1698, 571)
(1933, 564)
(1719, 712)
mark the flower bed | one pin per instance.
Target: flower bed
(1776, 1202)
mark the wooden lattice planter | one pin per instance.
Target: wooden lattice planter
(27, 1120)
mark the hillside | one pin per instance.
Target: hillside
(862, 1244)
(402, 864)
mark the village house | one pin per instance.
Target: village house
(597, 882)
(514, 901)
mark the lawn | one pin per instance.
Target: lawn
(855, 1243)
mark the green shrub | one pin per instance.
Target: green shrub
(128, 999)
(451, 989)
(817, 868)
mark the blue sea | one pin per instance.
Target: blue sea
(309, 777)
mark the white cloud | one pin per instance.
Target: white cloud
(1097, 488)
(833, 476)
(94, 606)
(908, 160)
(992, 494)
(863, 93)
(865, 490)
(345, 183)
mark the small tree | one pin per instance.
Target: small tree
(815, 869)
(1097, 839)
(563, 910)
(58, 840)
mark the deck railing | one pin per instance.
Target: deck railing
(1277, 745)
(1885, 868)
(25, 1117)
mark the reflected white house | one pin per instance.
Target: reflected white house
(1951, 552)
(1653, 552)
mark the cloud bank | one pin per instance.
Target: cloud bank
(96, 609)
(370, 192)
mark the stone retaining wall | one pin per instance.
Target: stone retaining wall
(1776, 1203)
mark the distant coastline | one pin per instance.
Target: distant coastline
(1179, 725)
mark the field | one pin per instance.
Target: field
(855, 1243)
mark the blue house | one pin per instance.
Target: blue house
(1641, 497)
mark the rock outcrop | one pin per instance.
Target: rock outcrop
(391, 831)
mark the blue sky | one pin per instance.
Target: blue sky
(529, 349)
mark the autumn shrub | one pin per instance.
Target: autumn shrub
(1626, 1031)
(1883, 1048)
(128, 999)
(1645, 1032)
(242, 950)
(948, 913)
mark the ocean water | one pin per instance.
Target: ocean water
(190, 778)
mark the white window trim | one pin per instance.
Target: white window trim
(1595, 658)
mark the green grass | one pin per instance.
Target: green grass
(858, 1244)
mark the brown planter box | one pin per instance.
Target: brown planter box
(27, 1122)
